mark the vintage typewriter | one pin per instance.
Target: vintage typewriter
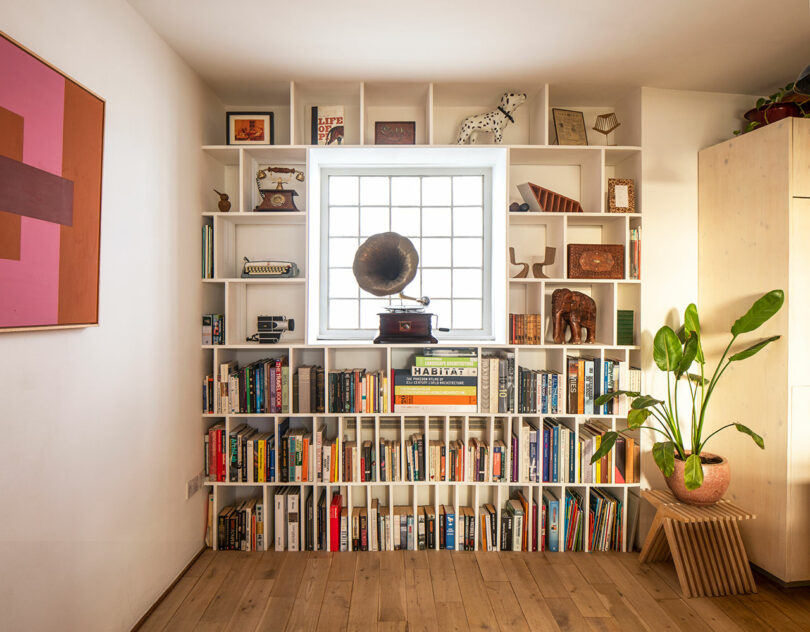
(268, 269)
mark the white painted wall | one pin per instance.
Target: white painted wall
(100, 426)
(675, 125)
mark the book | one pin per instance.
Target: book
(327, 125)
(450, 527)
(551, 507)
(335, 508)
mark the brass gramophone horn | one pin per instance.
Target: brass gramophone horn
(385, 263)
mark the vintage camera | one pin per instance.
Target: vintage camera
(271, 327)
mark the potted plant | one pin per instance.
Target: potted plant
(694, 476)
(781, 104)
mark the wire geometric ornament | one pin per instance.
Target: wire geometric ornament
(605, 124)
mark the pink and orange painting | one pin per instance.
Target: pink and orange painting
(51, 142)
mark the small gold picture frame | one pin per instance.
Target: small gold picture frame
(621, 195)
(570, 127)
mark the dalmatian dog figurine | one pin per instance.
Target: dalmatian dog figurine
(494, 121)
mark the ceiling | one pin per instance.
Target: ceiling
(239, 46)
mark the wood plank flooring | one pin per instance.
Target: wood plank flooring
(440, 590)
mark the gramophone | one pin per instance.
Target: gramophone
(384, 265)
(278, 199)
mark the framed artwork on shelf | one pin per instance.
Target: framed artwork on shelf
(621, 195)
(249, 128)
(51, 154)
(569, 126)
(394, 132)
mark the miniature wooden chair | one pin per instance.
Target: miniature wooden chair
(704, 543)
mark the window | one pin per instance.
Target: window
(445, 212)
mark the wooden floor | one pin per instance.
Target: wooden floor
(439, 590)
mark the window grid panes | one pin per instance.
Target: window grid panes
(444, 215)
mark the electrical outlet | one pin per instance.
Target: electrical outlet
(194, 485)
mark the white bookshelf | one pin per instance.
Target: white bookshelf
(437, 109)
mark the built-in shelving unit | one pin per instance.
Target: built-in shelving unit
(579, 172)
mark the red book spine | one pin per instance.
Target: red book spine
(212, 455)
(334, 524)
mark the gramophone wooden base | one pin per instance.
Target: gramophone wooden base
(405, 328)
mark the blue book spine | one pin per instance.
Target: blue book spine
(450, 534)
(544, 394)
(554, 394)
(546, 441)
(272, 450)
(555, 450)
(553, 525)
(572, 457)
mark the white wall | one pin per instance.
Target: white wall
(675, 125)
(100, 426)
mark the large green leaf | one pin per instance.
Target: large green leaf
(604, 399)
(645, 401)
(608, 439)
(762, 309)
(693, 472)
(691, 324)
(664, 456)
(757, 439)
(690, 350)
(747, 353)
(637, 417)
(667, 349)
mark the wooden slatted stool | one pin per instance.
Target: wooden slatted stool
(704, 543)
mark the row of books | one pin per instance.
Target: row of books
(259, 387)
(497, 384)
(539, 391)
(213, 329)
(309, 395)
(525, 329)
(207, 251)
(590, 377)
(358, 391)
(240, 527)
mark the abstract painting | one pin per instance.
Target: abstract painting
(51, 142)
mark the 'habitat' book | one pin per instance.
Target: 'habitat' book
(327, 125)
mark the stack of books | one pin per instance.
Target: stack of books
(415, 457)
(497, 384)
(363, 457)
(525, 329)
(308, 389)
(561, 453)
(574, 521)
(604, 522)
(213, 329)
(527, 452)
(624, 327)
(259, 387)
(488, 528)
(437, 460)
(440, 381)
(477, 461)
(538, 391)
(207, 251)
(358, 391)
(240, 527)
(390, 461)
(513, 525)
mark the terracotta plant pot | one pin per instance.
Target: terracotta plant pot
(716, 477)
(772, 113)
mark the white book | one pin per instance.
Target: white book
(250, 458)
(396, 527)
(293, 524)
(494, 379)
(373, 526)
(280, 506)
(524, 452)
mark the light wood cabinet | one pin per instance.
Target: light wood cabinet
(754, 229)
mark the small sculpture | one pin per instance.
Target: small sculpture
(514, 207)
(575, 310)
(542, 200)
(524, 272)
(537, 268)
(494, 121)
(605, 124)
(224, 204)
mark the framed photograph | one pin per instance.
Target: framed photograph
(51, 156)
(395, 133)
(570, 127)
(249, 128)
(621, 195)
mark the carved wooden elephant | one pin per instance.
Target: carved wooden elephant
(575, 310)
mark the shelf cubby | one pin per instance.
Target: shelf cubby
(322, 94)
(282, 239)
(397, 101)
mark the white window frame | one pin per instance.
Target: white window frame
(487, 161)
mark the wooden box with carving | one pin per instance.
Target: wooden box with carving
(595, 261)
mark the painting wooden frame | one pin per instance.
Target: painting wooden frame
(569, 126)
(51, 160)
(238, 126)
(395, 132)
(621, 195)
